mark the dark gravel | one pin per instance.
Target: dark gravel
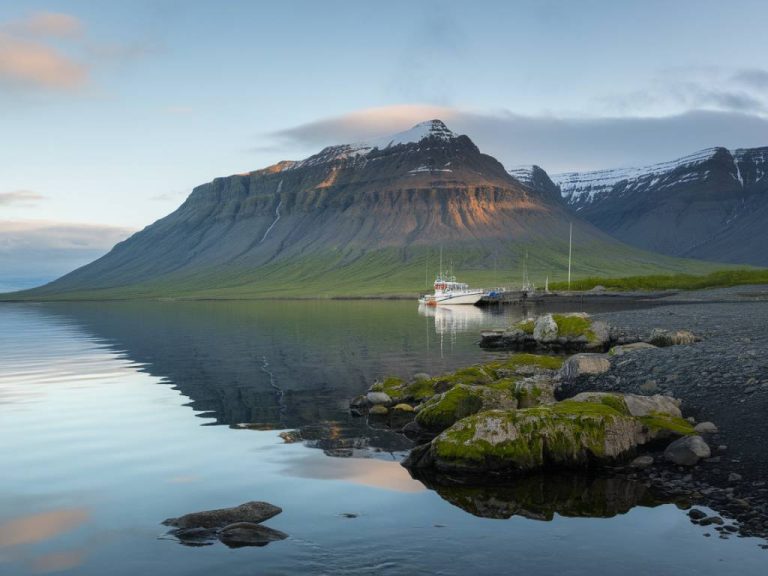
(722, 379)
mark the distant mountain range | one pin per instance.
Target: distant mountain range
(359, 219)
(711, 205)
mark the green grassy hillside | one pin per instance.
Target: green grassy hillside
(718, 279)
(402, 272)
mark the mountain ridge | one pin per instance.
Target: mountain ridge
(709, 204)
(352, 219)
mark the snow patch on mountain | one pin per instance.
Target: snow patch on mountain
(420, 132)
(582, 188)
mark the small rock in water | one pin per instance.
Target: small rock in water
(254, 512)
(290, 436)
(242, 534)
(712, 520)
(194, 536)
(378, 410)
(348, 515)
(696, 514)
(734, 477)
(705, 428)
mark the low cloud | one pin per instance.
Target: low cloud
(20, 198)
(678, 90)
(46, 234)
(34, 252)
(556, 143)
(357, 126)
(753, 77)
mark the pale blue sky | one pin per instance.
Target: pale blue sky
(110, 112)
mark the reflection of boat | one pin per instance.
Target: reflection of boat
(448, 291)
(455, 319)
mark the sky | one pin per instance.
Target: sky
(111, 112)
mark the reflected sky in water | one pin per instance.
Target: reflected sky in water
(114, 417)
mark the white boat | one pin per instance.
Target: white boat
(448, 291)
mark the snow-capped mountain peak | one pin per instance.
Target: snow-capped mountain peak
(431, 129)
(428, 129)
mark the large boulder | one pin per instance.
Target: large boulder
(687, 451)
(586, 363)
(567, 434)
(441, 411)
(599, 335)
(545, 329)
(253, 512)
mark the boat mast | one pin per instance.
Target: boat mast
(426, 271)
(570, 252)
(441, 262)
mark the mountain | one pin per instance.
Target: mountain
(357, 219)
(711, 205)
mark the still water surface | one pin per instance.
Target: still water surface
(116, 416)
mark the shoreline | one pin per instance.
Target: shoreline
(513, 298)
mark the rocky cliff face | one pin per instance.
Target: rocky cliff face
(361, 211)
(711, 205)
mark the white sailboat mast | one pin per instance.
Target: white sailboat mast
(570, 252)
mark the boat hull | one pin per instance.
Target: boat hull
(468, 299)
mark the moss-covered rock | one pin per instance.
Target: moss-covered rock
(635, 404)
(400, 391)
(565, 434)
(526, 326)
(461, 401)
(523, 364)
(561, 332)
(573, 326)
(573, 434)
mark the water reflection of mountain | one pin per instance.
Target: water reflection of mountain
(540, 497)
(284, 364)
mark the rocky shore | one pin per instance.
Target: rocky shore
(612, 407)
(721, 379)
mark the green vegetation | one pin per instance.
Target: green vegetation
(526, 326)
(398, 390)
(718, 279)
(455, 404)
(350, 272)
(574, 326)
(516, 361)
(656, 422)
(518, 439)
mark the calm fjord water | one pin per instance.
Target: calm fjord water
(115, 416)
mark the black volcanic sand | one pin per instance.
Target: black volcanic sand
(722, 379)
